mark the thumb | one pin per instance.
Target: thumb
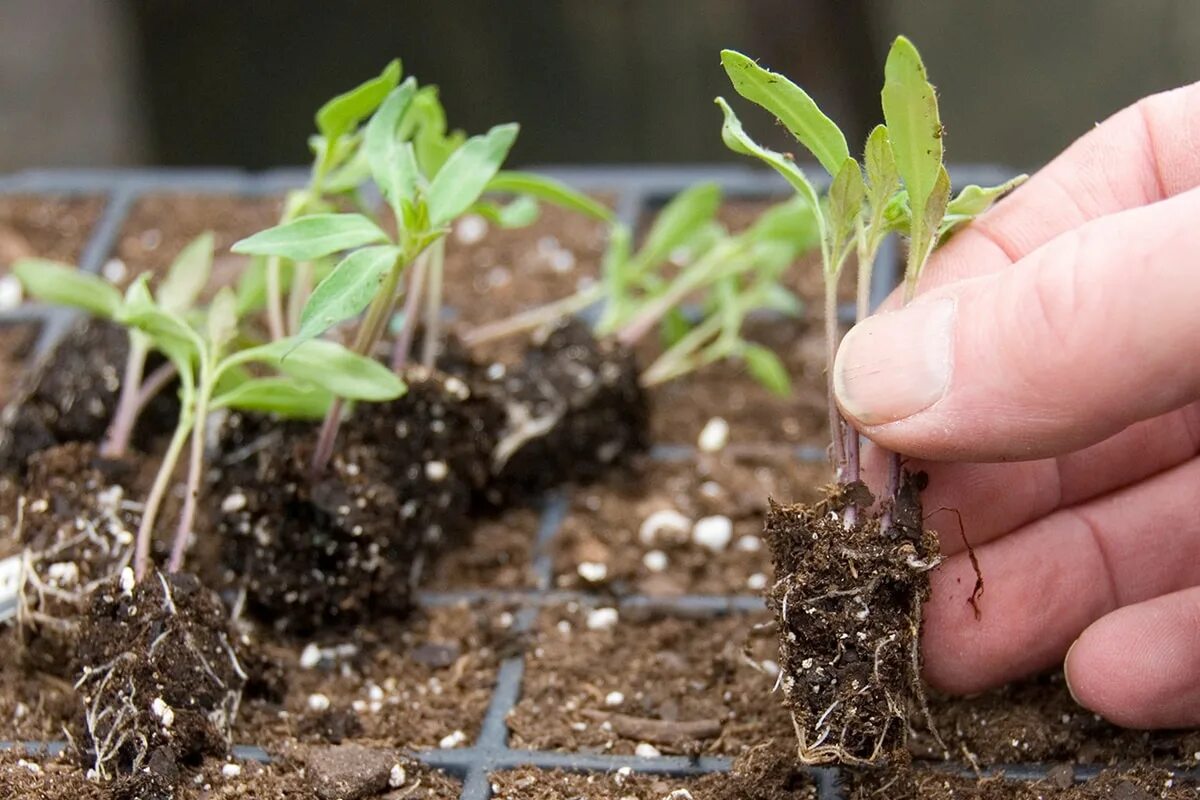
(1086, 335)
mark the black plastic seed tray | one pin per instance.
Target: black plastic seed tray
(637, 189)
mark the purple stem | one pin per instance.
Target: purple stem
(402, 347)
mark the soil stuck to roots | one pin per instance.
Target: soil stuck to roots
(848, 602)
(355, 541)
(574, 409)
(160, 682)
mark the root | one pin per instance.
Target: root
(977, 590)
(918, 689)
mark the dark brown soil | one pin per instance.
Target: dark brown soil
(16, 346)
(490, 278)
(1036, 720)
(574, 411)
(160, 225)
(1139, 784)
(681, 685)
(46, 227)
(354, 542)
(605, 525)
(410, 684)
(71, 394)
(160, 681)
(497, 554)
(848, 604)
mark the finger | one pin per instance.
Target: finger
(1046, 583)
(1137, 666)
(990, 500)
(1082, 338)
(1140, 155)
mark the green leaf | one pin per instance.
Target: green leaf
(883, 181)
(222, 322)
(550, 191)
(313, 236)
(393, 164)
(846, 196)
(344, 112)
(793, 223)
(286, 397)
(791, 105)
(350, 175)
(737, 140)
(327, 365)
(910, 110)
(61, 284)
(168, 332)
(925, 236)
(467, 172)
(974, 200)
(674, 326)
(687, 214)
(188, 275)
(767, 368)
(347, 290)
(521, 212)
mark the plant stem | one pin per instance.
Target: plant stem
(402, 347)
(369, 332)
(145, 533)
(275, 320)
(673, 362)
(693, 278)
(302, 285)
(154, 383)
(891, 488)
(187, 514)
(433, 305)
(120, 430)
(535, 317)
(837, 425)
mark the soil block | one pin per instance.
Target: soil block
(682, 685)
(354, 542)
(45, 227)
(645, 531)
(575, 411)
(848, 605)
(421, 683)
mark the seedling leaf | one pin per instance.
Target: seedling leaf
(313, 236)
(791, 105)
(60, 284)
(188, 275)
(327, 365)
(767, 368)
(342, 113)
(518, 213)
(846, 196)
(549, 190)
(467, 172)
(910, 110)
(167, 331)
(393, 164)
(222, 319)
(347, 290)
(286, 397)
(737, 140)
(688, 213)
(882, 178)
(974, 200)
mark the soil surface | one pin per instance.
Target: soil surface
(16, 345)
(46, 227)
(645, 529)
(848, 603)
(498, 554)
(682, 685)
(492, 273)
(1137, 784)
(160, 225)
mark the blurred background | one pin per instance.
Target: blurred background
(235, 82)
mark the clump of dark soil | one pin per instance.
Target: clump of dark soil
(848, 604)
(574, 411)
(321, 552)
(74, 522)
(1060, 784)
(71, 394)
(160, 682)
(530, 783)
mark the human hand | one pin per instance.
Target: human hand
(1061, 332)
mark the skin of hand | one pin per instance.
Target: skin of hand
(1047, 378)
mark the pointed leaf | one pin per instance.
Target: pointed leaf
(688, 213)
(64, 285)
(393, 164)
(737, 140)
(521, 212)
(974, 200)
(347, 290)
(313, 236)
(188, 275)
(344, 112)
(168, 332)
(327, 365)
(791, 105)
(767, 368)
(287, 397)
(883, 181)
(549, 190)
(910, 110)
(222, 319)
(846, 196)
(467, 172)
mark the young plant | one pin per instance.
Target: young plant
(428, 178)
(178, 293)
(207, 353)
(731, 275)
(906, 188)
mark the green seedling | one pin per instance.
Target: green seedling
(211, 360)
(428, 178)
(905, 189)
(686, 255)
